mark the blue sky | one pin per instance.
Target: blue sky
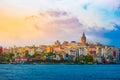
(45, 21)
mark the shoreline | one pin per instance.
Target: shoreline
(59, 64)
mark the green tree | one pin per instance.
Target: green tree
(81, 59)
(43, 57)
(4, 58)
(88, 58)
(35, 54)
(11, 55)
(51, 53)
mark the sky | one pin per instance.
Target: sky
(28, 22)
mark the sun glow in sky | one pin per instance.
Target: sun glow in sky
(27, 22)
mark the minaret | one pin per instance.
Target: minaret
(83, 39)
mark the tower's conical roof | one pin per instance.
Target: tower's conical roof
(83, 38)
(83, 34)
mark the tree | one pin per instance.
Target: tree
(80, 59)
(4, 58)
(11, 55)
(50, 56)
(43, 58)
(35, 54)
(88, 58)
(51, 53)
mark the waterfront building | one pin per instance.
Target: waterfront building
(39, 51)
(83, 51)
(1, 49)
(103, 52)
(49, 49)
(6, 50)
(32, 51)
(65, 43)
(118, 56)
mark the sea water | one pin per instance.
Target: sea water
(59, 72)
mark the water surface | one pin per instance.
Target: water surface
(59, 72)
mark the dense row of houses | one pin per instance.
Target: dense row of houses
(68, 50)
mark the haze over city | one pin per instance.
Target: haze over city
(27, 22)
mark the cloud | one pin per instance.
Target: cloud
(57, 13)
(65, 27)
